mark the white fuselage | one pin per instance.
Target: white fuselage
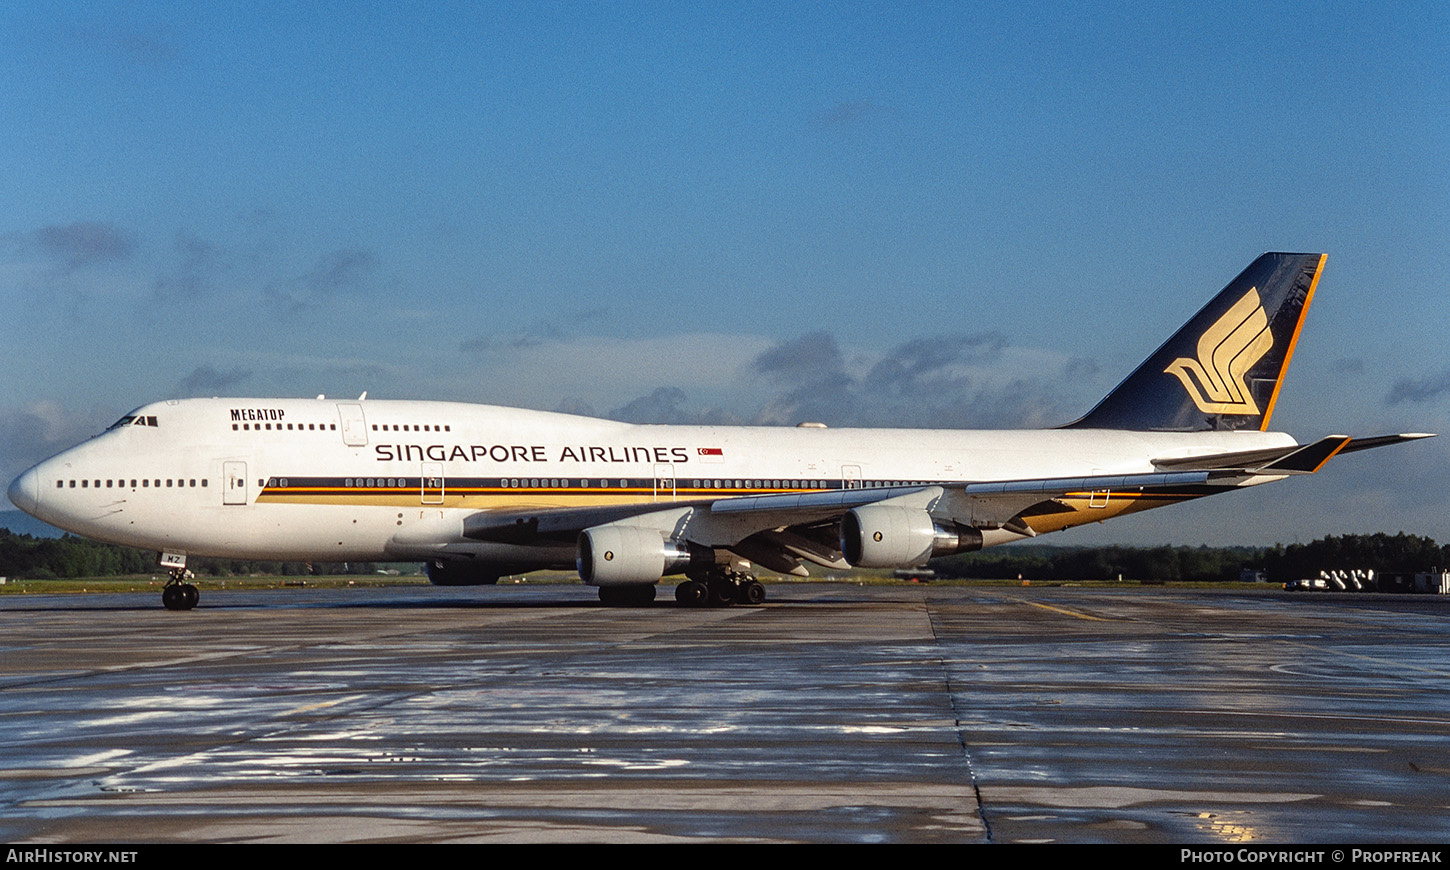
(328, 480)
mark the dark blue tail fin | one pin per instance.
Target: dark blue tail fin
(1223, 369)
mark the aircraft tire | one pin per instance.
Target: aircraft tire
(174, 598)
(692, 593)
(190, 596)
(752, 592)
(722, 592)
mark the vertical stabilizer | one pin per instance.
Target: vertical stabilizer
(1223, 369)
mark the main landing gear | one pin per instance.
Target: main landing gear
(720, 588)
(716, 589)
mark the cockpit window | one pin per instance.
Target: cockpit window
(132, 420)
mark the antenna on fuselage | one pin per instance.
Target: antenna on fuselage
(363, 396)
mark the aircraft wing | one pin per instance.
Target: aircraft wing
(779, 531)
(795, 523)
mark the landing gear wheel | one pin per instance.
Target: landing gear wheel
(692, 593)
(180, 596)
(722, 591)
(752, 592)
(627, 596)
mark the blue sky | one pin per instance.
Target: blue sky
(872, 214)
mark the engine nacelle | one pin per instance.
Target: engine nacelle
(628, 556)
(890, 536)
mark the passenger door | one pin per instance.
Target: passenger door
(432, 483)
(354, 424)
(234, 482)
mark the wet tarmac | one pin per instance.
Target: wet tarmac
(834, 713)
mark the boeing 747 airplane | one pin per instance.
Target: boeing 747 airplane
(479, 491)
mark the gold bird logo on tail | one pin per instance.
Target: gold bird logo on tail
(1226, 353)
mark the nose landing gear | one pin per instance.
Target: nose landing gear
(178, 594)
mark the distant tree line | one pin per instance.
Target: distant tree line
(24, 556)
(32, 558)
(1379, 552)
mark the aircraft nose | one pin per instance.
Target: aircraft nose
(24, 492)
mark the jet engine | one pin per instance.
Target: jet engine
(628, 556)
(890, 536)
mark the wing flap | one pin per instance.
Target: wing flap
(812, 503)
(541, 525)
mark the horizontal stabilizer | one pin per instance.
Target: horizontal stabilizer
(1298, 459)
(1384, 440)
(1308, 459)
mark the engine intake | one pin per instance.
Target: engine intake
(628, 556)
(888, 536)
